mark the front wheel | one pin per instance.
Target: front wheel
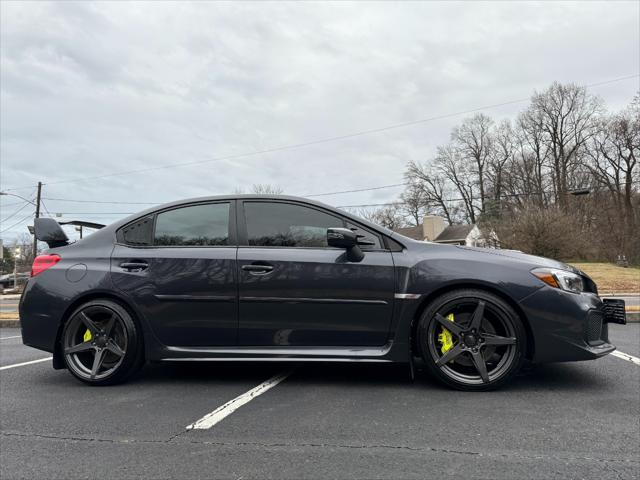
(101, 344)
(471, 340)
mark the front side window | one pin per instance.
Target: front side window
(271, 224)
(366, 235)
(196, 225)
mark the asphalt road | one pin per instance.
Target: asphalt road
(576, 420)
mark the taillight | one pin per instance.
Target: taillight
(42, 262)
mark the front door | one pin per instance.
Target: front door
(296, 290)
(179, 269)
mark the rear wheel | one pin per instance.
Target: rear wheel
(101, 344)
(471, 340)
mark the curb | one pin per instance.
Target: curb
(617, 295)
(633, 317)
(15, 323)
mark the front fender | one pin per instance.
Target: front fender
(512, 279)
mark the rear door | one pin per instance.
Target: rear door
(179, 268)
(296, 290)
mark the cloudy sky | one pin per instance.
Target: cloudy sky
(91, 90)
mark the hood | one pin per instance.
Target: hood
(525, 258)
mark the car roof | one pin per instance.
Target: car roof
(214, 198)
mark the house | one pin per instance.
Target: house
(433, 229)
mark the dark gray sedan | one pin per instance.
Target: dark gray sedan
(275, 278)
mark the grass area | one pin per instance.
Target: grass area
(611, 278)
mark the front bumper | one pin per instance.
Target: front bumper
(567, 326)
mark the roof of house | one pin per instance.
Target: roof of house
(454, 233)
(412, 232)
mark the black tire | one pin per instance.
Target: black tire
(486, 330)
(101, 343)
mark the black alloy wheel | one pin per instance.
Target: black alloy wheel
(100, 343)
(472, 340)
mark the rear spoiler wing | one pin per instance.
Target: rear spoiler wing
(49, 231)
(82, 223)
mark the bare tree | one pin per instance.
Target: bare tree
(6, 264)
(24, 244)
(413, 204)
(516, 179)
(266, 189)
(261, 189)
(459, 172)
(504, 146)
(433, 186)
(615, 153)
(614, 167)
(568, 117)
(472, 140)
(529, 167)
(388, 216)
(548, 232)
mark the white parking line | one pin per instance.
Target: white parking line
(25, 363)
(7, 338)
(231, 406)
(626, 356)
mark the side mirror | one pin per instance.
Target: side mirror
(345, 238)
(341, 238)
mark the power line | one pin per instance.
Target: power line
(316, 142)
(44, 206)
(12, 204)
(99, 201)
(25, 204)
(507, 195)
(90, 213)
(17, 223)
(365, 189)
(368, 189)
(369, 205)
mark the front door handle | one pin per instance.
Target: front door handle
(257, 269)
(134, 266)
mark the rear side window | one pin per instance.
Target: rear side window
(138, 232)
(197, 225)
(271, 224)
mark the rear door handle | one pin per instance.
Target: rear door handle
(134, 266)
(257, 268)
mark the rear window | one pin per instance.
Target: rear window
(196, 225)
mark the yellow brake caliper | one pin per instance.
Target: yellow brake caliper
(87, 336)
(445, 338)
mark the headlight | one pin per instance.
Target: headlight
(562, 279)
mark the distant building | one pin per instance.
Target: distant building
(434, 229)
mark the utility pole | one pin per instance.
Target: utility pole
(16, 257)
(35, 241)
